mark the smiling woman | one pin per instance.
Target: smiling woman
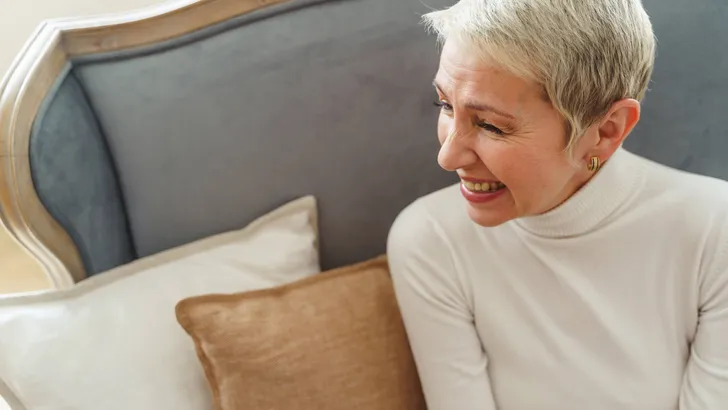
(562, 272)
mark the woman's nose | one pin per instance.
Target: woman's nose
(455, 152)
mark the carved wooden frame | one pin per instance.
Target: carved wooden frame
(31, 77)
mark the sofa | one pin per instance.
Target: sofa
(210, 184)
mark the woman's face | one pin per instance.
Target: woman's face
(504, 139)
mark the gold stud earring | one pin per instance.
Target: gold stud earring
(594, 164)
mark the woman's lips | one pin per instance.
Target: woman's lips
(480, 190)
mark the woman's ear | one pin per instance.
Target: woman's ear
(617, 125)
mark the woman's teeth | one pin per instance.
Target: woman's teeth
(484, 186)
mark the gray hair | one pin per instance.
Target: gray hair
(587, 54)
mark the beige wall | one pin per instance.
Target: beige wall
(18, 20)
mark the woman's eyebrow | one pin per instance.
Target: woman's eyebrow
(475, 106)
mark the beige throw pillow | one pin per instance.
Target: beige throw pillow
(331, 341)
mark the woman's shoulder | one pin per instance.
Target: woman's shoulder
(693, 204)
(695, 208)
(425, 241)
(429, 216)
(429, 224)
(695, 193)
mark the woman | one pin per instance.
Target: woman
(563, 272)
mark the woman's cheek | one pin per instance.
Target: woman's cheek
(505, 163)
(495, 155)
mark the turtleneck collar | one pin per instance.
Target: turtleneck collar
(618, 179)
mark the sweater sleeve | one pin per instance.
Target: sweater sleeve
(439, 323)
(705, 383)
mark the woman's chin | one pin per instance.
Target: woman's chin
(487, 217)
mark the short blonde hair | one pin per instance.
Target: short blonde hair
(587, 54)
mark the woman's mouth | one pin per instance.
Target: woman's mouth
(481, 191)
(483, 187)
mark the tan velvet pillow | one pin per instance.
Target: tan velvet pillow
(331, 341)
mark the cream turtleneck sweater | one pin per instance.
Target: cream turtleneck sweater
(615, 300)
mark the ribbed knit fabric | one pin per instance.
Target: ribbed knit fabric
(617, 299)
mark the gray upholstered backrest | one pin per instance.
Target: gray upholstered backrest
(685, 115)
(331, 98)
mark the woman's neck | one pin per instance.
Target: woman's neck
(592, 201)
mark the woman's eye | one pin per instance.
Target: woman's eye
(443, 105)
(484, 125)
(490, 128)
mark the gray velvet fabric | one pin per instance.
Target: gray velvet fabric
(334, 100)
(75, 178)
(684, 122)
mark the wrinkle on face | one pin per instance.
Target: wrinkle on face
(471, 79)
